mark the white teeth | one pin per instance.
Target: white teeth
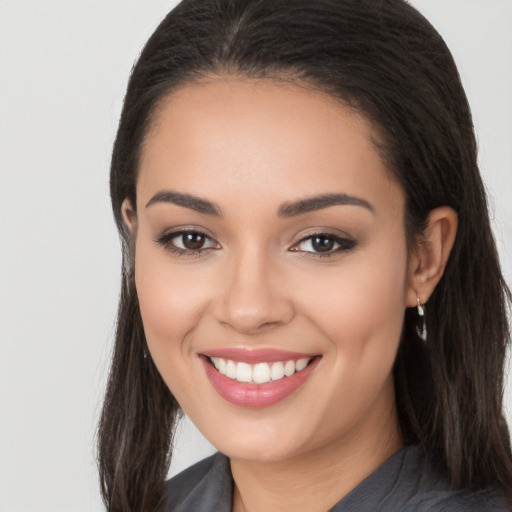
(301, 364)
(289, 368)
(259, 373)
(222, 366)
(277, 371)
(243, 372)
(231, 369)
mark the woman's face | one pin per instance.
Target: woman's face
(270, 235)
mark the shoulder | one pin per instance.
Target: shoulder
(423, 488)
(183, 483)
(409, 482)
(465, 502)
(206, 485)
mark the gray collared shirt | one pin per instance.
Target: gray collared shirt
(404, 483)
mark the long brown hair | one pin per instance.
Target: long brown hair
(383, 58)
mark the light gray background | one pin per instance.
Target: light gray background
(63, 70)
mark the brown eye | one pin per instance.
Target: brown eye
(322, 243)
(187, 242)
(193, 241)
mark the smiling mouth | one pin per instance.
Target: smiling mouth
(257, 378)
(259, 373)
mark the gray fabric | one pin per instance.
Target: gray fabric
(404, 483)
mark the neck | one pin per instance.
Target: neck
(316, 480)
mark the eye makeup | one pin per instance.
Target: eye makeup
(323, 244)
(187, 242)
(194, 242)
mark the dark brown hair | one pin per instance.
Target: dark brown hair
(385, 59)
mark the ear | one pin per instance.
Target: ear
(129, 216)
(428, 260)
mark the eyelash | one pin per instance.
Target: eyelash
(344, 244)
(166, 240)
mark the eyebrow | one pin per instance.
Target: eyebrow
(187, 201)
(291, 209)
(320, 202)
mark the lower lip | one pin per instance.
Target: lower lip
(256, 395)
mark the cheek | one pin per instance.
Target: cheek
(360, 307)
(171, 303)
(360, 311)
(171, 300)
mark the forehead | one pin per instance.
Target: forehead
(257, 137)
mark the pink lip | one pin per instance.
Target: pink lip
(257, 395)
(256, 355)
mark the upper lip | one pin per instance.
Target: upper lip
(253, 356)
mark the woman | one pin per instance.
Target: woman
(309, 270)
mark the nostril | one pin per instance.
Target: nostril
(252, 299)
(255, 319)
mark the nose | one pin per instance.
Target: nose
(253, 296)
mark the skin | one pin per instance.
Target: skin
(250, 147)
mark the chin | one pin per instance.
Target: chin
(264, 443)
(263, 452)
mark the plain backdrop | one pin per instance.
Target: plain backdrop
(63, 70)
